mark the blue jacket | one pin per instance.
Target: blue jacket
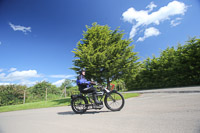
(82, 82)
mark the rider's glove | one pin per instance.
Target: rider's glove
(93, 83)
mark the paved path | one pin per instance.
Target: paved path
(155, 111)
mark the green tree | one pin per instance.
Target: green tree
(65, 87)
(175, 67)
(104, 53)
(11, 94)
(38, 91)
(66, 84)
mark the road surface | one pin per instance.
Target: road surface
(154, 111)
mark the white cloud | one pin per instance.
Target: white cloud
(149, 32)
(132, 15)
(0, 43)
(2, 75)
(12, 69)
(19, 75)
(175, 22)
(59, 82)
(151, 6)
(27, 77)
(23, 82)
(144, 18)
(27, 82)
(1, 70)
(62, 76)
(5, 83)
(20, 28)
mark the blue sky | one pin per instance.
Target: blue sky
(37, 36)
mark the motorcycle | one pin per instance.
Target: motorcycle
(82, 102)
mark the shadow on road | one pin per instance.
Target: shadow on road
(88, 112)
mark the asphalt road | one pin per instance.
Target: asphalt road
(155, 111)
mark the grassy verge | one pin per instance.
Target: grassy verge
(129, 95)
(46, 104)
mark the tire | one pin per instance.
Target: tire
(114, 101)
(79, 105)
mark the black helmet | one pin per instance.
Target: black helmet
(82, 70)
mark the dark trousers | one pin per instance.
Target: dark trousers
(88, 90)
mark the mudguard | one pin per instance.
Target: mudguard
(75, 96)
(111, 92)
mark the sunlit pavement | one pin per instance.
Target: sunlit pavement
(175, 110)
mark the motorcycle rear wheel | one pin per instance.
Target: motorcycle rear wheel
(79, 105)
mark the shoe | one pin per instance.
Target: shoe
(97, 102)
(98, 106)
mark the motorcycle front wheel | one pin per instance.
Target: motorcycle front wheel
(114, 101)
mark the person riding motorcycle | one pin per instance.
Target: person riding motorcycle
(87, 86)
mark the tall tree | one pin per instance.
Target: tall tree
(104, 53)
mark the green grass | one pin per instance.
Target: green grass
(46, 104)
(129, 95)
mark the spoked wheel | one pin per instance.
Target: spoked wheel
(79, 105)
(114, 101)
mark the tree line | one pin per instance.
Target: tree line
(41, 91)
(174, 67)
